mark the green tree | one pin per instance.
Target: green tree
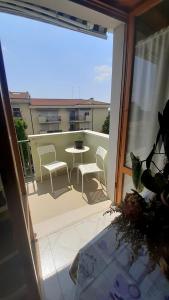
(20, 127)
(105, 127)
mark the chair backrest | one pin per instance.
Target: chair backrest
(101, 154)
(45, 149)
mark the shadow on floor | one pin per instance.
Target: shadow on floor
(94, 191)
(59, 286)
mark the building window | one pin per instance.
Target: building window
(17, 112)
(72, 127)
(72, 115)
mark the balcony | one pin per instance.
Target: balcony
(80, 118)
(49, 120)
(63, 222)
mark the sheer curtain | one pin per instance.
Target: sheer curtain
(149, 93)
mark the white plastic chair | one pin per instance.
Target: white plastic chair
(94, 167)
(54, 165)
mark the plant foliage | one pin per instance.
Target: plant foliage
(105, 127)
(145, 222)
(20, 127)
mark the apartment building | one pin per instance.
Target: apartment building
(57, 115)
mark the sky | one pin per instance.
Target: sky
(53, 62)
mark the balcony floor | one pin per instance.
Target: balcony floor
(64, 223)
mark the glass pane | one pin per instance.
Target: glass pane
(127, 185)
(150, 89)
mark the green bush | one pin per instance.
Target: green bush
(20, 127)
(105, 127)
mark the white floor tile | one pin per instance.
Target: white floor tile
(66, 284)
(47, 264)
(52, 289)
(62, 250)
(86, 230)
(58, 250)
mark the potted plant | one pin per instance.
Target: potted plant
(79, 144)
(144, 221)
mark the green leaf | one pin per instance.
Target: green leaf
(136, 172)
(155, 183)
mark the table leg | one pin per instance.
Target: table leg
(73, 164)
(73, 160)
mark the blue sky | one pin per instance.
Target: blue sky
(53, 62)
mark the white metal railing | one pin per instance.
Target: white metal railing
(49, 119)
(26, 158)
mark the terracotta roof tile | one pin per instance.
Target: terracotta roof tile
(64, 102)
(15, 96)
(19, 95)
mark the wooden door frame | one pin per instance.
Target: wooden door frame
(9, 122)
(121, 169)
(11, 174)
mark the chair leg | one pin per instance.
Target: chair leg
(78, 176)
(41, 174)
(51, 181)
(68, 176)
(105, 180)
(98, 176)
(71, 173)
(82, 185)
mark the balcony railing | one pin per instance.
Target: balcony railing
(44, 119)
(26, 158)
(80, 119)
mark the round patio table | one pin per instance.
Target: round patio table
(74, 151)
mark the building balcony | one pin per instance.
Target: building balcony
(49, 120)
(78, 120)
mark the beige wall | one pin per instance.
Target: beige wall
(31, 116)
(99, 116)
(35, 120)
(64, 140)
(60, 140)
(64, 124)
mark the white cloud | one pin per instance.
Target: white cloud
(102, 72)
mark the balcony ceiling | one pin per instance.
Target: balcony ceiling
(62, 13)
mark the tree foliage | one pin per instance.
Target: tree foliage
(20, 127)
(105, 127)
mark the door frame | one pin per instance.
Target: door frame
(14, 180)
(14, 187)
(121, 169)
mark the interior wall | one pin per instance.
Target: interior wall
(117, 69)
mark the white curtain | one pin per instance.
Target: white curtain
(149, 93)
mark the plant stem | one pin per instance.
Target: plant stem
(156, 166)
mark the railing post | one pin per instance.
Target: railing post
(22, 158)
(27, 165)
(29, 158)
